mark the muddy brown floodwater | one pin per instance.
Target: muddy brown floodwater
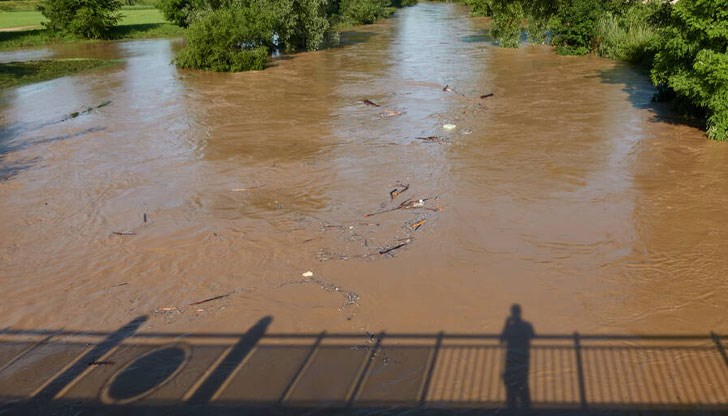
(567, 191)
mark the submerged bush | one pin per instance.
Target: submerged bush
(91, 19)
(229, 39)
(627, 37)
(507, 18)
(364, 11)
(301, 24)
(238, 35)
(575, 27)
(692, 59)
(479, 7)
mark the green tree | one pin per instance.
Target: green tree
(365, 11)
(576, 26)
(507, 18)
(179, 12)
(692, 59)
(229, 39)
(86, 18)
(301, 24)
(479, 7)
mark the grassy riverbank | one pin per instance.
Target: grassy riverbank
(132, 16)
(13, 74)
(139, 22)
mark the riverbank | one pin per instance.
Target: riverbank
(138, 23)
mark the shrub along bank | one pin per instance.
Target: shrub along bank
(238, 35)
(683, 43)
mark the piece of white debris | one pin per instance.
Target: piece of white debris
(418, 204)
(308, 274)
(448, 126)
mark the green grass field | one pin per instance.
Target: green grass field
(18, 5)
(14, 19)
(139, 22)
(132, 16)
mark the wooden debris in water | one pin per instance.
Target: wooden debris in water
(408, 204)
(338, 227)
(371, 103)
(415, 226)
(390, 249)
(487, 95)
(181, 309)
(432, 139)
(124, 232)
(398, 191)
(447, 88)
(210, 299)
(391, 113)
(85, 111)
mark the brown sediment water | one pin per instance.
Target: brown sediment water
(567, 191)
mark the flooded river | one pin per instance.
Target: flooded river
(567, 191)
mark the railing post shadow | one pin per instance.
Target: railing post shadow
(719, 346)
(431, 369)
(580, 371)
(365, 371)
(206, 391)
(57, 385)
(299, 373)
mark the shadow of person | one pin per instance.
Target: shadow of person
(517, 335)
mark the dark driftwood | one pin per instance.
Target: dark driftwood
(370, 102)
(390, 249)
(397, 191)
(209, 299)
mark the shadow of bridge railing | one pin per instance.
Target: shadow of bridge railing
(258, 372)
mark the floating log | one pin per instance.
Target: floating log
(370, 102)
(210, 299)
(390, 249)
(418, 224)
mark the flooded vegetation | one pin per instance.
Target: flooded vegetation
(19, 73)
(481, 177)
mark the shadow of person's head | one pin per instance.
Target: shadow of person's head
(516, 311)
